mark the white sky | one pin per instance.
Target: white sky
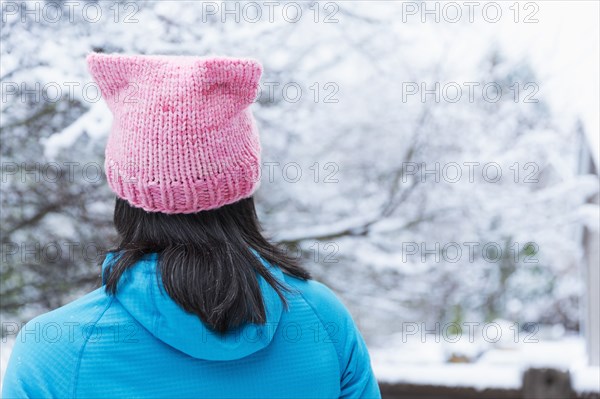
(565, 48)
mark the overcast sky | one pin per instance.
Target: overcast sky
(565, 48)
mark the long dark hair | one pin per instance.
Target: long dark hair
(205, 260)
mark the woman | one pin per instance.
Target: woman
(194, 301)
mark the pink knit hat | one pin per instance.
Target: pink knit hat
(183, 138)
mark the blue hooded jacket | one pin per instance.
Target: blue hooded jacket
(141, 344)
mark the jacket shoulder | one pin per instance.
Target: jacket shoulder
(336, 320)
(325, 303)
(47, 350)
(356, 375)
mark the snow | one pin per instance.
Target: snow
(95, 122)
(416, 361)
(586, 379)
(456, 375)
(301, 233)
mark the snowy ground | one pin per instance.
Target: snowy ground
(497, 366)
(492, 365)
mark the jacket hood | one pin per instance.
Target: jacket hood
(141, 293)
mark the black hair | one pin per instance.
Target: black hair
(205, 260)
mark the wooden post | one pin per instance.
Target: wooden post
(546, 384)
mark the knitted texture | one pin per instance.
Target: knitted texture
(183, 137)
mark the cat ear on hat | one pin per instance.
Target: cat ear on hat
(239, 76)
(116, 74)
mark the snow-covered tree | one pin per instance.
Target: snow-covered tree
(363, 135)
